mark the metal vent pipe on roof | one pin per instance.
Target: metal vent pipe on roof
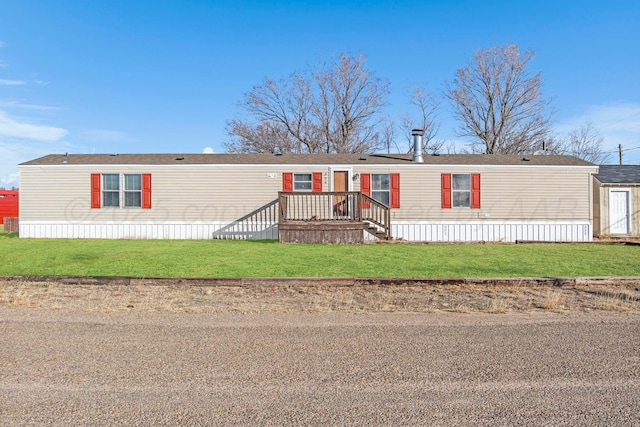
(417, 145)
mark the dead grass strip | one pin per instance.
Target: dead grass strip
(321, 298)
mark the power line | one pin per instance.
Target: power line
(624, 149)
(620, 120)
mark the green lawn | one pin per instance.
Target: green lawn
(215, 258)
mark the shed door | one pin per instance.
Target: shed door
(619, 212)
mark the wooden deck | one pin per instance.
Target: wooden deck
(321, 232)
(331, 217)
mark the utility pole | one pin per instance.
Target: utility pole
(620, 152)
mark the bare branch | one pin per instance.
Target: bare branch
(426, 107)
(335, 110)
(584, 143)
(498, 103)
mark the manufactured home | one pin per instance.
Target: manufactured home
(308, 197)
(616, 196)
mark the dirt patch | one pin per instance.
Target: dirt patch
(257, 298)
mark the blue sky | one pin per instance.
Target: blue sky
(164, 76)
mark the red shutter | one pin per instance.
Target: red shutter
(365, 187)
(317, 182)
(395, 190)
(475, 191)
(287, 181)
(95, 190)
(446, 190)
(146, 191)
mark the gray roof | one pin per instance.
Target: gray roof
(619, 174)
(301, 159)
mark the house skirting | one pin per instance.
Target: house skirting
(150, 230)
(495, 231)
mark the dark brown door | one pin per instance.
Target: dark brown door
(340, 205)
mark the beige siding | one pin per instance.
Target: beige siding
(507, 193)
(597, 208)
(635, 211)
(228, 193)
(189, 194)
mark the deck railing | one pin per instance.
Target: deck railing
(335, 206)
(376, 213)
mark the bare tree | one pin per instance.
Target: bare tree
(265, 137)
(427, 107)
(282, 111)
(388, 135)
(333, 109)
(584, 143)
(499, 103)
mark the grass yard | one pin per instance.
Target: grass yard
(216, 258)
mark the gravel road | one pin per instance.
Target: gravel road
(63, 368)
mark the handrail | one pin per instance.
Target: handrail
(377, 213)
(353, 206)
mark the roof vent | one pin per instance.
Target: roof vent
(113, 155)
(180, 158)
(526, 159)
(362, 158)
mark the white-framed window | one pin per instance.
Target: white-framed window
(380, 187)
(132, 190)
(121, 190)
(461, 190)
(302, 182)
(111, 190)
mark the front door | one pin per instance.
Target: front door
(619, 212)
(340, 183)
